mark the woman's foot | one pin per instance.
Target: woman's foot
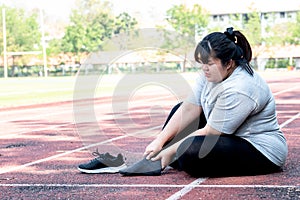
(143, 167)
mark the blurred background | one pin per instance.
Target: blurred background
(54, 38)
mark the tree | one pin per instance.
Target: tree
(285, 33)
(188, 23)
(294, 29)
(92, 23)
(251, 24)
(22, 34)
(252, 28)
(124, 23)
(73, 40)
(22, 30)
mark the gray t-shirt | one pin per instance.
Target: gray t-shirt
(243, 105)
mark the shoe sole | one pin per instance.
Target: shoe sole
(108, 170)
(153, 173)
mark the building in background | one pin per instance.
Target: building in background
(271, 12)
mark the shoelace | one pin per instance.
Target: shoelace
(98, 155)
(103, 156)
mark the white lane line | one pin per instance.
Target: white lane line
(186, 189)
(73, 151)
(50, 113)
(148, 186)
(286, 90)
(34, 116)
(11, 135)
(289, 120)
(121, 137)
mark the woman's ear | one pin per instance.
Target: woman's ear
(230, 64)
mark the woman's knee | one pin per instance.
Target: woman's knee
(188, 150)
(185, 147)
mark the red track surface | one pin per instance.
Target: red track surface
(41, 146)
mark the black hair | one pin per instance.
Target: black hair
(230, 45)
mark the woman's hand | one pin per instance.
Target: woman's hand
(153, 148)
(166, 156)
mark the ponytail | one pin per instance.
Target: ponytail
(243, 52)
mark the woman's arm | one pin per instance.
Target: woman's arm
(166, 156)
(185, 114)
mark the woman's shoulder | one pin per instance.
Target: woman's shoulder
(253, 86)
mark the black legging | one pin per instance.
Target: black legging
(217, 156)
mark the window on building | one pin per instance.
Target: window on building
(265, 16)
(235, 16)
(221, 18)
(215, 18)
(282, 14)
(245, 17)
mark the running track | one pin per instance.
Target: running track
(42, 145)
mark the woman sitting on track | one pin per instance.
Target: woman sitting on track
(241, 136)
(227, 127)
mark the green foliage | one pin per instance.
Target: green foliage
(294, 29)
(270, 63)
(91, 24)
(22, 30)
(73, 40)
(283, 33)
(187, 21)
(252, 28)
(279, 63)
(54, 47)
(282, 63)
(124, 23)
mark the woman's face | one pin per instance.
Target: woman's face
(214, 70)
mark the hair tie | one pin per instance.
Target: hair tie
(230, 34)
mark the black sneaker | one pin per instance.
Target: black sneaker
(143, 167)
(104, 163)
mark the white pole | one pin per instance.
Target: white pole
(44, 44)
(4, 44)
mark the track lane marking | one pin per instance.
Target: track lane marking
(188, 188)
(10, 135)
(286, 90)
(106, 141)
(185, 188)
(73, 151)
(289, 120)
(41, 109)
(141, 185)
(64, 111)
(146, 186)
